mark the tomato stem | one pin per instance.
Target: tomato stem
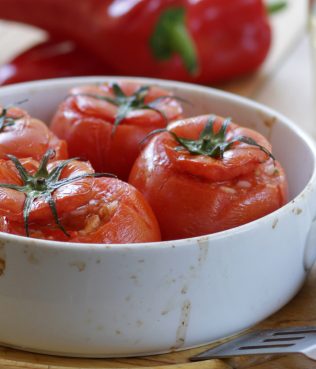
(126, 104)
(43, 184)
(210, 143)
(6, 121)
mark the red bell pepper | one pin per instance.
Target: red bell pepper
(52, 59)
(202, 41)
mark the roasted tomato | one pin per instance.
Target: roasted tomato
(206, 174)
(106, 123)
(66, 201)
(24, 136)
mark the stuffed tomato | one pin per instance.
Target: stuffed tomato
(105, 123)
(66, 201)
(206, 174)
(24, 136)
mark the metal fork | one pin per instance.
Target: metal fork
(294, 340)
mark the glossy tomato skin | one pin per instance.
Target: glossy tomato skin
(194, 195)
(92, 210)
(28, 137)
(87, 124)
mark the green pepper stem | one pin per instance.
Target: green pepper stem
(275, 6)
(172, 37)
(181, 42)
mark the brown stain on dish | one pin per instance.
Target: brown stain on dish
(184, 289)
(170, 281)
(100, 327)
(203, 246)
(275, 222)
(80, 265)
(31, 257)
(183, 325)
(2, 267)
(134, 278)
(30, 254)
(297, 211)
(269, 122)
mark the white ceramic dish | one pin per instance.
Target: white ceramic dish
(123, 300)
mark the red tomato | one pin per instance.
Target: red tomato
(106, 123)
(195, 194)
(24, 136)
(88, 209)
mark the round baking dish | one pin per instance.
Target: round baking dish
(137, 299)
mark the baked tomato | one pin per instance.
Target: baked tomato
(207, 174)
(67, 201)
(105, 123)
(24, 136)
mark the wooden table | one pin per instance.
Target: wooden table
(300, 311)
